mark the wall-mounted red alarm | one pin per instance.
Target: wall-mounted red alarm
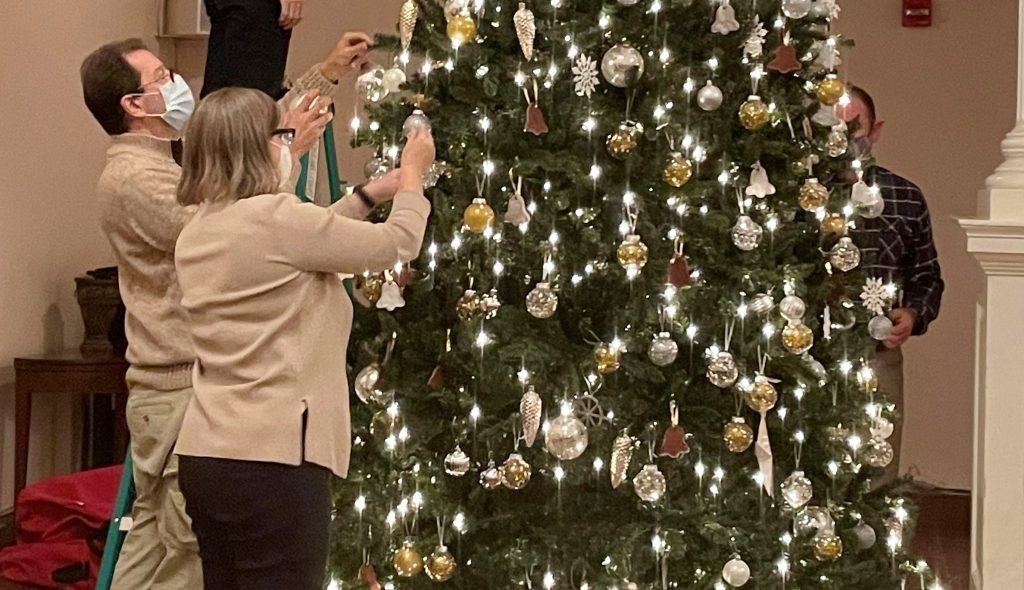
(917, 13)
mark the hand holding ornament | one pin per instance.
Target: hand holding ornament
(903, 320)
(348, 57)
(417, 156)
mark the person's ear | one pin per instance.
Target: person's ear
(132, 105)
(876, 131)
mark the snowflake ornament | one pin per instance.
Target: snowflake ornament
(584, 76)
(828, 55)
(753, 47)
(875, 296)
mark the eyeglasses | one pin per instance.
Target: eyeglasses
(162, 75)
(285, 136)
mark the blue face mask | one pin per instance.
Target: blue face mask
(178, 102)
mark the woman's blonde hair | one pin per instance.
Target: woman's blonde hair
(227, 152)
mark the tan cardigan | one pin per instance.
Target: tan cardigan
(270, 321)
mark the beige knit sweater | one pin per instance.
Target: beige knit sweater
(270, 321)
(142, 219)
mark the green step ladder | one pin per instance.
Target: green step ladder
(120, 521)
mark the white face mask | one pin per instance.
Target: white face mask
(178, 102)
(287, 171)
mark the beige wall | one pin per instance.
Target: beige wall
(946, 93)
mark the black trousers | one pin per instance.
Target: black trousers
(247, 47)
(260, 526)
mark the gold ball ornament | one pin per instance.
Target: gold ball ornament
(632, 253)
(797, 337)
(738, 435)
(828, 547)
(813, 195)
(606, 358)
(371, 286)
(754, 113)
(408, 562)
(440, 565)
(834, 223)
(478, 216)
(461, 28)
(515, 472)
(678, 170)
(762, 397)
(468, 306)
(830, 90)
(624, 140)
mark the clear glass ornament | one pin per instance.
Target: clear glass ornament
(369, 387)
(837, 142)
(880, 327)
(792, 308)
(663, 350)
(747, 234)
(882, 428)
(456, 463)
(566, 437)
(811, 520)
(622, 65)
(736, 572)
(417, 120)
(845, 255)
(796, 8)
(650, 484)
(761, 304)
(710, 97)
(722, 371)
(393, 79)
(490, 477)
(490, 304)
(797, 490)
(878, 453)
(370, 85)
(542, 301)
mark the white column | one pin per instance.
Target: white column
(996, 240)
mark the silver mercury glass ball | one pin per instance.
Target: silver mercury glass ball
(812, 519)
(417, 120)
(722, 371)
(878, 453)
(622, 65)
(761, 304)
(880, 327)
(797, 490)
(865, 535)
(663, 350)
(393, 79)
(456, 463)
(845, 256)
(746, 234)
(542, 302)
(792, 308)
(796, 8)
(736, 572)
(650, 484)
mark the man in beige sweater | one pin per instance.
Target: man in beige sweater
(144, 106)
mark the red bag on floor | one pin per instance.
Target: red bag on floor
(61, 528)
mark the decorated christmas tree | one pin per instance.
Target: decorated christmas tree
(635, 349)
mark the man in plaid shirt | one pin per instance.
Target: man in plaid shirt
(897, 246)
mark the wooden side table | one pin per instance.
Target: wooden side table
(66, 373)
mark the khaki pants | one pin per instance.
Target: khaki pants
(160, 551)
(888, 367)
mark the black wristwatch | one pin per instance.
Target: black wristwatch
(360, 191)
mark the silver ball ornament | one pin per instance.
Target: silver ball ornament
(722, 371)
(796, 8)
(812, 519)
(736, 572)
(710, 97)
(797, 490)
(393, 79)
(370, 85)
(746, 234)
(792, 308)
(761, 304)
(880, 327)
(650, 484)
(542, 302)
(865, 535)
(456, 463)
(417, 120)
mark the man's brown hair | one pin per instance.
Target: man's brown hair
(106, 78)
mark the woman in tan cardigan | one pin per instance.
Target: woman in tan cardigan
(270, 321)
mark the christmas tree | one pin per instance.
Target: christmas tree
(634, 352)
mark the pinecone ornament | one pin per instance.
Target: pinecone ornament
(407, 22)
(526, 29)
(531, 407)
(622, 453)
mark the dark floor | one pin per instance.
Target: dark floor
(943, 537)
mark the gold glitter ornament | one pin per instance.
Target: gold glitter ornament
(624, 140)
(542, 301)
(440, 565)
(632, 253)
(468, 306)
(828, 547)
(830, 90)
(461, 28)
(797, 337)
(408, 562)
(678, 170)
(515, 472)
(754, 113)
(738, 435)
(762, 397)
(813, 195)
(834, 223)
(478, 216)
(606, 358)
